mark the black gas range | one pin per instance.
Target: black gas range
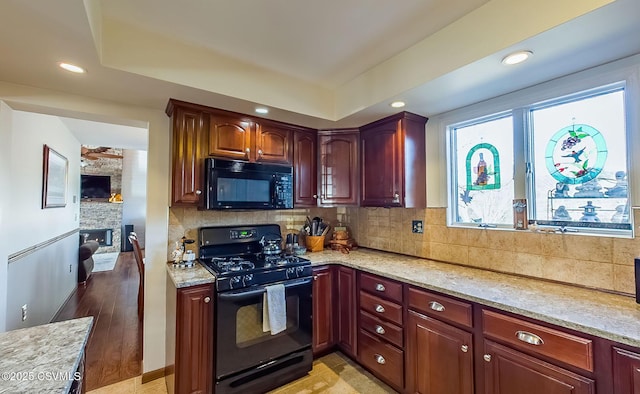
(249, 357)
(234, 254)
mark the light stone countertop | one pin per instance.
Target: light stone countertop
(42, 359)
(602, 314)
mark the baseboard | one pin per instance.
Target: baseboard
(56, 315)
(153, 375)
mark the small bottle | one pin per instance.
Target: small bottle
(481, 170)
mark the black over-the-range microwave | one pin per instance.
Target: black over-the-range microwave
(231, 184)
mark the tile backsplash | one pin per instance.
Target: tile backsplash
(600, 262)
(186, 221)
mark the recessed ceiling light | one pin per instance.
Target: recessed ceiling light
(262, 110)
(516, 57)
(72, 68)
(398, 104)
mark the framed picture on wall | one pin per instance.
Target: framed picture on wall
(54, 179)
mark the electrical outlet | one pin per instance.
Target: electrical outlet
(24, 312)
(417, 227)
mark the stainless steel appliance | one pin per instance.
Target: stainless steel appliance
(240, 185)
(248, 359)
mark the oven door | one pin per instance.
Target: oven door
(242, 344)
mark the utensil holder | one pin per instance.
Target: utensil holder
(315, 243)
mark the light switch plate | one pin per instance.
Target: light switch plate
(417, 227)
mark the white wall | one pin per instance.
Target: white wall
(26, 217)
(157, 215)
(134, 191)
(5, 179)
(44, 279)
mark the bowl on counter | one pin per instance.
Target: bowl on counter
(299, 250)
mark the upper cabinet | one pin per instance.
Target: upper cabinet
(305, 169)
(393, 162)
(239, 137)
(230, 136)
(339, 166)
(188, 141)
(273, 143)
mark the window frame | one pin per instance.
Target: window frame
(623, 74)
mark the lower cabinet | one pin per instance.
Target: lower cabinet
(439, 357)
(190, 342)
(509, 371)
(626, 372)
(323, 327)
(346, 318)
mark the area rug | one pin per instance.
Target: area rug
(105, 261)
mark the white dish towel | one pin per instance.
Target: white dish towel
(274, 309)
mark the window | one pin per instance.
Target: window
(567, 155)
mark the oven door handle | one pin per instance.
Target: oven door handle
(251, 292)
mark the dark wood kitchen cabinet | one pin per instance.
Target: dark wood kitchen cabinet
(230, 136)
(187, 163)
(380, 348)
(240, 137)
(323, 332)
(532, 358)
(347, 329)
(305, 169)
(626, 372)
(393, 163)
(439, 355)
(190, 336)
(509, 371)
(339, 166)
(273, 143)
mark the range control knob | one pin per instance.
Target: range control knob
(290, 272)
(234, 281)
(299, 271)
(247, 279)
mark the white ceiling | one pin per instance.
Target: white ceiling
(334, 63)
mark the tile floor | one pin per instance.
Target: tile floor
(333, 373)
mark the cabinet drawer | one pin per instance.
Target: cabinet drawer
(440, 307)
(382, 287)
(381, 329)
(534, 338)
(383, 359)
(381, 308)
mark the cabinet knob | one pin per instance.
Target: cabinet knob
(529, 338)
(198, 192)
(315, 277)
(379, 308)
(464, 348)
(396, 197)
(260, 152)
(315, 196)
(380, 359)
(247, 151)
(207, 299)
(380, 330)
(380, 287)
(436, 306)
(487, 357)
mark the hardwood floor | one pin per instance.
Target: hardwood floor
(114, 350)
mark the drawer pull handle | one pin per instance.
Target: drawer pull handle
(379, 308)
(487, 357)
(380, 287)
(529, 338)
(380, 359)
(380, 330)
(464, 348)
(436, 306)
